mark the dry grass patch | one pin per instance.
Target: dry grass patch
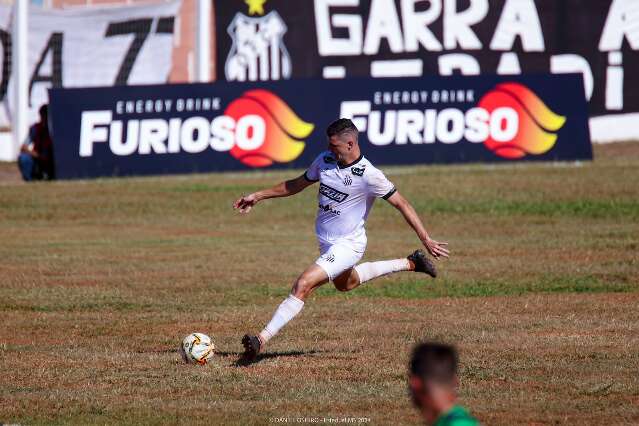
(99, 281)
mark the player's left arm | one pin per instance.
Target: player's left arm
(435, 248)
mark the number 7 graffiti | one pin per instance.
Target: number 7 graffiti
(140, 28)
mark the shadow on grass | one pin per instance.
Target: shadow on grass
(242, 362)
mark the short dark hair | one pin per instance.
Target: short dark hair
(338, 127)
(436, 362)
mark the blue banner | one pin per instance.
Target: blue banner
(144, 130)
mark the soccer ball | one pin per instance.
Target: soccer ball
(197, 347)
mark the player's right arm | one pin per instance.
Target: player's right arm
(282, 189)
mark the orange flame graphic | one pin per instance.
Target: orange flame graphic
(284, 129)
(537, 123)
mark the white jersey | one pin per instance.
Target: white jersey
(346, 195)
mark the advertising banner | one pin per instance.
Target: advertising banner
(261, 40)
(143, 130)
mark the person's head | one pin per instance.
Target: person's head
(44, 109)
(433, 378)
(342, 139)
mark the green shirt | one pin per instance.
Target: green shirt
(456, 416)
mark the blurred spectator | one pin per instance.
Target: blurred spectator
(433, 385)
(36, 153)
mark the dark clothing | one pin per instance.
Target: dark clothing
(26, 166)
(40, 166)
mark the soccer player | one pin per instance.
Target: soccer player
(349, 184)
(433, 385)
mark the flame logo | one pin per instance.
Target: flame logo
(284, 129)
(537, 123)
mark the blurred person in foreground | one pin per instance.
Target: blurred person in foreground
(36, 153)
(433, 384)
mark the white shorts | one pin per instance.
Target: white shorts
(341, 254)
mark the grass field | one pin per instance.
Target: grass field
(100, 280)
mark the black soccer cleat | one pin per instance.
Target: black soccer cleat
(422, 263)
(252, 346)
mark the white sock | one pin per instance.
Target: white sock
(287, 310)
(370, 270)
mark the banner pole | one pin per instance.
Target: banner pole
(21, 75)
(203, 41)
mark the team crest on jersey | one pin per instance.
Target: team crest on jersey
(332, 193)
(358, 171)
(258, 51)
(348, 180)
(329, 257)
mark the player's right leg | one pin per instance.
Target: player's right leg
(313, 277)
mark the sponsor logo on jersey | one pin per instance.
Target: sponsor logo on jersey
(358, 171)
(510, 120)
(329, 209)
(332, 193)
